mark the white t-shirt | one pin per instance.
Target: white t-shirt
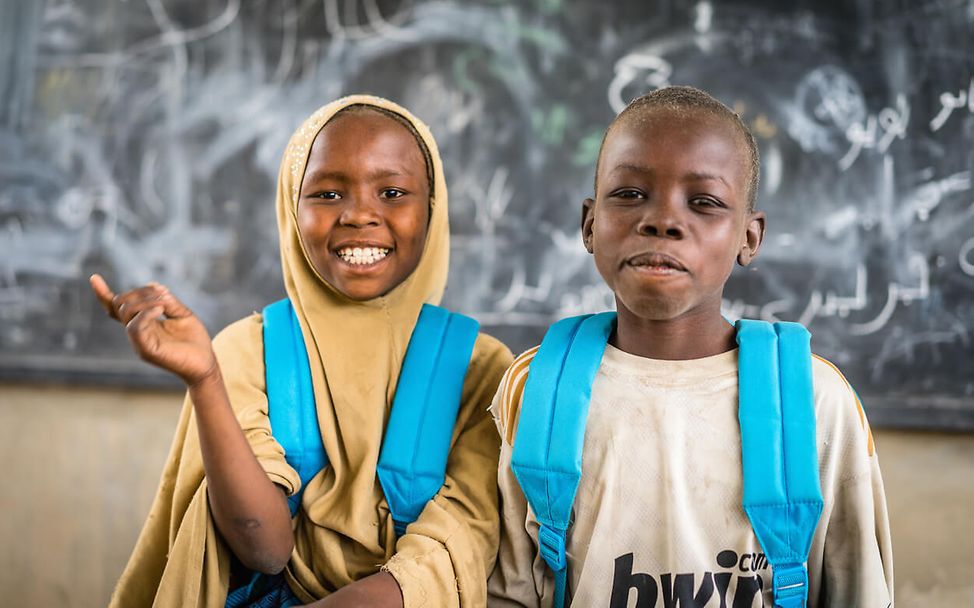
(658, 519)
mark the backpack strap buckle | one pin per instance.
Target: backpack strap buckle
(552, 546)
(790, 585)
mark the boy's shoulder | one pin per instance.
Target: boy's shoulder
(828, 379)
(507, 402)
(837, 405)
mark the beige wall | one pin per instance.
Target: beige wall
(82, 466)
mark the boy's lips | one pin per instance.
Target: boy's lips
(656, 261)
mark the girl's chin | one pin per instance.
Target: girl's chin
(362, 289)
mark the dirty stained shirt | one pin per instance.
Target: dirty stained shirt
(658, 519)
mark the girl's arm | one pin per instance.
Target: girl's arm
(380, 589)
(250, 511)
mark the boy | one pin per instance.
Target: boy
(657, 518)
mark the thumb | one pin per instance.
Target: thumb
(104, 294)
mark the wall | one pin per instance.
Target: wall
(83, 464)
(82, 469)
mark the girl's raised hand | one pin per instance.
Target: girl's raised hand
(162, 330)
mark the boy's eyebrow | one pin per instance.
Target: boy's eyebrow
(700, 176)
(633, 168)
(691, 176)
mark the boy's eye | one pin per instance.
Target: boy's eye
(706, 202)
(627, 193)
(392, 193)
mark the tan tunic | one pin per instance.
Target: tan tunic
(658, 513)
(455, 538)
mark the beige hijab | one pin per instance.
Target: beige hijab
(355, 350)
(343, 531)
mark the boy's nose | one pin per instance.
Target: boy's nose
(359, 212)
(663, 220)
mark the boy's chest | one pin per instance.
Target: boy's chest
(660, 496)
(678, 443)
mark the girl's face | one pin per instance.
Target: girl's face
(363, 210)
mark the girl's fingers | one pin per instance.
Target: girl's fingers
(145, 317)
(139, 328)
(173, 306)
(124, 307)
(128, 309)
(129, 304)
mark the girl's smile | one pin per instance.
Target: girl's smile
(364, 256)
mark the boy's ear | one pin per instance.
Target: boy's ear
(753, 237)
(588, 219)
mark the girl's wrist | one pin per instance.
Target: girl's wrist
(210, 379)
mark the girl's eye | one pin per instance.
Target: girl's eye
(392, 193)
(328, 195)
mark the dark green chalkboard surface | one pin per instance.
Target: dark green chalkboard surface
(141, 140)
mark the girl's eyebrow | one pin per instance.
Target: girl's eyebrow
(341, 176)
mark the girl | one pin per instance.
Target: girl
(362, 217)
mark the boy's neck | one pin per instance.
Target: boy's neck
(691, 336)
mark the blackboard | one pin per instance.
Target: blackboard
(141, 139)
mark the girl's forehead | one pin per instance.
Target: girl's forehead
(372, 135)
(358, 123)
(356, 132)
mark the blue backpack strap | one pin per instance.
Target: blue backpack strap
(412, 464)
(555, 405)
(290, 395)
(782, 496)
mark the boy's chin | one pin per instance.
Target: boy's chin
(653, 309)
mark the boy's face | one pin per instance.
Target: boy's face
(363, 210)
(670, 216)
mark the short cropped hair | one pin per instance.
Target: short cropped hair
(685, 100)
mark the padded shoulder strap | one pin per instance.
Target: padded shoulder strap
(290, 396)
(782, 496)
(412, 464)
(547, 455)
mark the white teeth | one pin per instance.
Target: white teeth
(362, 255)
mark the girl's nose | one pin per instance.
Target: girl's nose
(360, 212)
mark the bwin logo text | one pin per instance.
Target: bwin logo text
(685, 590)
